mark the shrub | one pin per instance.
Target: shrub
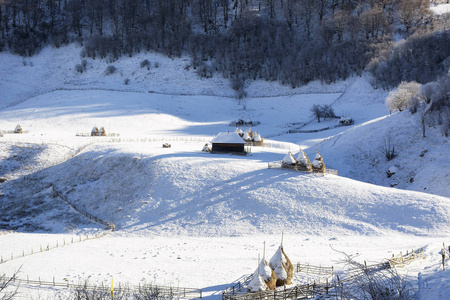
(126, 81)
(110, 70)
(156, 64)
(145, 63)
(79, 68)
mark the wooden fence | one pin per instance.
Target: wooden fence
(400, 260)
(109, 225)
(48, 246)
(305, 291)
(278, 165)
(176, 292)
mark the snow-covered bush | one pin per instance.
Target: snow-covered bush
(79, 68)
(146, 63)
(110, 70)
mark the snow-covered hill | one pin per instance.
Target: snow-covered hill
(147, 190)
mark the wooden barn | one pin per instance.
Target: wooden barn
(228, 142)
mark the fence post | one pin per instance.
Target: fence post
(53, 280)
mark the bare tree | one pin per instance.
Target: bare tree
(375, 282)
(6, 291)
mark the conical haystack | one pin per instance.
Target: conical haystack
(318, 165)
(102, 131)
(206, 148)
(94, 131)
(266, 274)
(246, 137)
(303, 162)
(18, 129)
(282, 266)
(288, 160)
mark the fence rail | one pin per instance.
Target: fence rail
(400, 260)
(177, 292)
(48, 246)
(109, 225)
(304, 291)
(278, 165)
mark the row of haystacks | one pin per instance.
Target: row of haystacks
(98, 132)
(250, 137)
(302, 162)
(278, 272)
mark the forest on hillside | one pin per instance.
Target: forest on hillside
(290, 41)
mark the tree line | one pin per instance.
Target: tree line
(291, 41)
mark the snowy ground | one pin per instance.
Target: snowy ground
(194, 219)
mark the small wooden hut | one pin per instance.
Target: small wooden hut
(303, 162)
(264, 278)
(289, 161)
(94, 131)
(282, 266)
(18, 129)
(228, 142)
(318, 165)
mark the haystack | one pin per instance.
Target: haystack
(263, 274)
(206, 148)
(102, 132)
(257, 140)
(282, 266)
(239, 131)
(318, 165)
(250, 133)
(94, 131)
(18, 129)
(288, 161)
(246, 137)
(303, 162)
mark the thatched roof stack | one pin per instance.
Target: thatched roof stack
(282, 266)
(318, 165)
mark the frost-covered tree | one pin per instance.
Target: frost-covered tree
(402, 97)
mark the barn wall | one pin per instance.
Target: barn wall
(227, 147)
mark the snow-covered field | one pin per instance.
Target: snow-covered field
(194, 219)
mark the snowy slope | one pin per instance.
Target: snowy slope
(211, 210)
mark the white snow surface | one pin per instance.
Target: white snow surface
(194, 219)
(440, 9)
